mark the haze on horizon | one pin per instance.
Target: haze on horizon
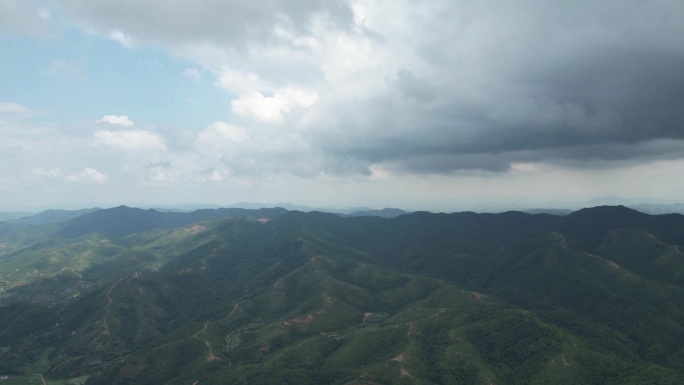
(440, 105)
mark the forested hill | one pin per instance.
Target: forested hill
(594, 297)
(125, 220)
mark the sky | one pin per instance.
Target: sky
(439, 105)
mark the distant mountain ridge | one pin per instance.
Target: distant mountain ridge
(559, 212)
(655, 208)
(52, 216)
(383, 213)
(12, 215)
(124, 220)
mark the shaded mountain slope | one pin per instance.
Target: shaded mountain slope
(512, 298)
(327, 320)
(527, 260)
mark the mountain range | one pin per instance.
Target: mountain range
(270, 296)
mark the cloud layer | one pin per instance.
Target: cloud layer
(117, 120)
(23, 17)
(382, 90)
(428, 88)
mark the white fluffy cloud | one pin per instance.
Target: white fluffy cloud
(88, 174)
(192, 73)
(220, 134)
(53, 172)
(120, 120)
(11, 107)
(130, 140)
(272, 109)
(122, 38)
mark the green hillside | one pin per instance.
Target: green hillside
(594, 297)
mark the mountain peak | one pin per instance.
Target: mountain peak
(618, 212)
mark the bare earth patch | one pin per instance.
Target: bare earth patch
(196, 229)
(401, 358)
(304, 320)
(564, 361)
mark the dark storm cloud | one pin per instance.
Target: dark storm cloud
(21, 17)
(467, 85)
(602, 85)
(228, 23)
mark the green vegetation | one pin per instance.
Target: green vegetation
(595, 297)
